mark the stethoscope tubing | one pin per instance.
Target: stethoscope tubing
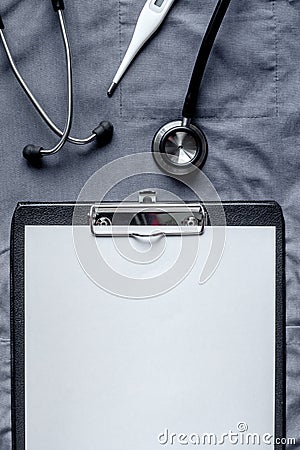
(32, 98)
(208, 40)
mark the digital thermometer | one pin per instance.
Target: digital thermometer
(150, 19)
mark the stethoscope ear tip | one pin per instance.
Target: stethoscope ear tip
(32, 153)
(104, 133)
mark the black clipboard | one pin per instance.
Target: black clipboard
(248, 214)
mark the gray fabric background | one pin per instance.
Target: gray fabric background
(250, 111)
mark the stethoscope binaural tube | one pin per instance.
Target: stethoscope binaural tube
(37, 105)
(179, 147)
(32, 151)
(102, 133)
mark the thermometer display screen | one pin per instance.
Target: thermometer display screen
(159, 3)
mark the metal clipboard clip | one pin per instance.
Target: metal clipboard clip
(128, 219)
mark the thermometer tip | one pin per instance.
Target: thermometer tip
(112, 89)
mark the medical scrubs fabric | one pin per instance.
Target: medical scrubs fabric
(249, 108)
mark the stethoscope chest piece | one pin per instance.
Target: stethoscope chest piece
(179, 148)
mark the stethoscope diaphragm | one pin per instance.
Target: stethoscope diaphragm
(179, 148)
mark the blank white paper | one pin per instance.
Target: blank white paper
(105, 372)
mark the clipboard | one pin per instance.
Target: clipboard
(93, 370)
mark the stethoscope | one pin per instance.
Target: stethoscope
(179, 147)
(102, 134)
